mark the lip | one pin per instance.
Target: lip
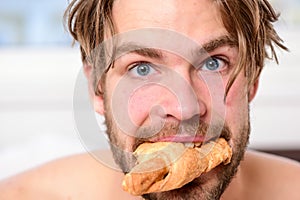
(181, 138)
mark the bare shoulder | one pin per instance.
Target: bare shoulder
(74, 177)
(270, 163)
(271, 177)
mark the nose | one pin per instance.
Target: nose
(179, 101)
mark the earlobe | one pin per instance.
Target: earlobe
(253, 90)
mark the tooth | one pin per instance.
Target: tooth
(189, 144)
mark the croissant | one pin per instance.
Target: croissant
(164, 166)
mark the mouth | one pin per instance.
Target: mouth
(187, 140)
(156, 171)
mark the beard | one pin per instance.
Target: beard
(209, 186)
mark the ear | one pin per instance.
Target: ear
(253, 90)
(97, 100)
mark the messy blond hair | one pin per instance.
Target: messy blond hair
(249, 22)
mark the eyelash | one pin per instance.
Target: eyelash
(227, 64)
(137, 64)
(221, 58)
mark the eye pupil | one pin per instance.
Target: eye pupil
(212, 64)
(143, 70)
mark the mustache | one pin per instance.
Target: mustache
(191, 128)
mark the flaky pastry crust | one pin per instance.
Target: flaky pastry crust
(164, 166)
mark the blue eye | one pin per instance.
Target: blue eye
(213, 64)
(142, 70)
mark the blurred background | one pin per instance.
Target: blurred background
(38, 70)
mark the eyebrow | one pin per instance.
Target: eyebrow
(149, 52)
(141, 50)
(214, 44)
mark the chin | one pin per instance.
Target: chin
(208, 186)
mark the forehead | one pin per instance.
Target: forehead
(200, 20)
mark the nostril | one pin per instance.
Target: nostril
(172, 119)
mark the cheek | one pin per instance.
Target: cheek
(144, 102)
(237, 106)
(237, 95)
(139, 105)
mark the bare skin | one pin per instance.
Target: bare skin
(260, 176)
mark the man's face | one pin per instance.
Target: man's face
(158, 95)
